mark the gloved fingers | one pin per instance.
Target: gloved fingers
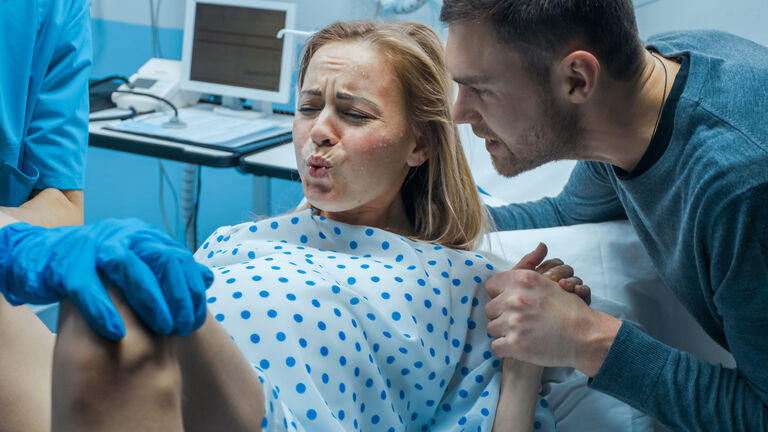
(147, 237)
(180, 279)
(207, 275)
(175, 283)
(196, 279)
(97, 309)
(71, 271)
(140, 286)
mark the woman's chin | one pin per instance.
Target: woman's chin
(325, 204)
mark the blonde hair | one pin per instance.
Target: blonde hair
(440, 197)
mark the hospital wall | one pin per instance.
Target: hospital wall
(123, 185)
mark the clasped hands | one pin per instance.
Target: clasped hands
(539, 313)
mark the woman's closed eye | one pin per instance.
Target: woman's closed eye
(308, 109)
(357, 115)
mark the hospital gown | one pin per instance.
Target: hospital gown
(357, 328)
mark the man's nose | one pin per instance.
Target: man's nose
(464, 110)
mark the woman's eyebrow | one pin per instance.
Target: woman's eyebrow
(311, 93)
(352, 98)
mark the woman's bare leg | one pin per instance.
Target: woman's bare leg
(26, 353)
(98, 385)
(137, 383)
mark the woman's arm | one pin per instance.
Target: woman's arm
(520, 383)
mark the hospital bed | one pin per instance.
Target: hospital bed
(609, 258)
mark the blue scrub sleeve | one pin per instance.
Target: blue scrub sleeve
(57, 137)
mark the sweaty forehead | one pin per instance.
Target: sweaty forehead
(353, 66)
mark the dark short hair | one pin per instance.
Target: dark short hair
(540, 29)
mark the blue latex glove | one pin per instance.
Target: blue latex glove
(158, 277)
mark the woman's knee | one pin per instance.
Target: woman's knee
(93, 377)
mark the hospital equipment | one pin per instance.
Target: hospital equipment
(231, 48)
(158, 77)
(48, 265)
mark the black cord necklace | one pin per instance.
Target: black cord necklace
(663, 96)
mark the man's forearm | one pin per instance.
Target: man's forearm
(47, 208)
(677, 389)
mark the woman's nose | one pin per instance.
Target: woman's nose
(325, 130)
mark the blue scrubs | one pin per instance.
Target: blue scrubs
(45, 62)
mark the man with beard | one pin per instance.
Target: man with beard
(673, 137)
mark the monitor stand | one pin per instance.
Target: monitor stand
(233, 106)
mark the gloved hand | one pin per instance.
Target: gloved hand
(158, 277)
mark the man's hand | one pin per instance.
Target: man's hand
(159, 278)
(534, 319)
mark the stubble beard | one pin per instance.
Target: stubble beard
(556, 136)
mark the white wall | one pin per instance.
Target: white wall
(746, 18)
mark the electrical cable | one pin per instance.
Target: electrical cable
(163, 180)
(189, 198)
(197, 203)
(110, 78)
(167, 102)
(126, 116)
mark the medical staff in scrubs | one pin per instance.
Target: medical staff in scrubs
(45, 62)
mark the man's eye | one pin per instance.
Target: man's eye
(307, 109)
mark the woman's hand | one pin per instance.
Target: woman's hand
(556, 270)
(520, 382)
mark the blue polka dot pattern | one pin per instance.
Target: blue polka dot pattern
(361, 329)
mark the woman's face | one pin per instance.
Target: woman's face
(353, 147)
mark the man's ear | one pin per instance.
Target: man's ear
(576, 76)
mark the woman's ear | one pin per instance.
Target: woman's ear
(576, 77)
(418, 155)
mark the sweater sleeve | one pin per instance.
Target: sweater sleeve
(676, 388)
(588, 197)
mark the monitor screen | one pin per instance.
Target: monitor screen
(233, 49)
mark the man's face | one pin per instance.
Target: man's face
(518, 115)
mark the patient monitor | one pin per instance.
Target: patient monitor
(231, 49)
